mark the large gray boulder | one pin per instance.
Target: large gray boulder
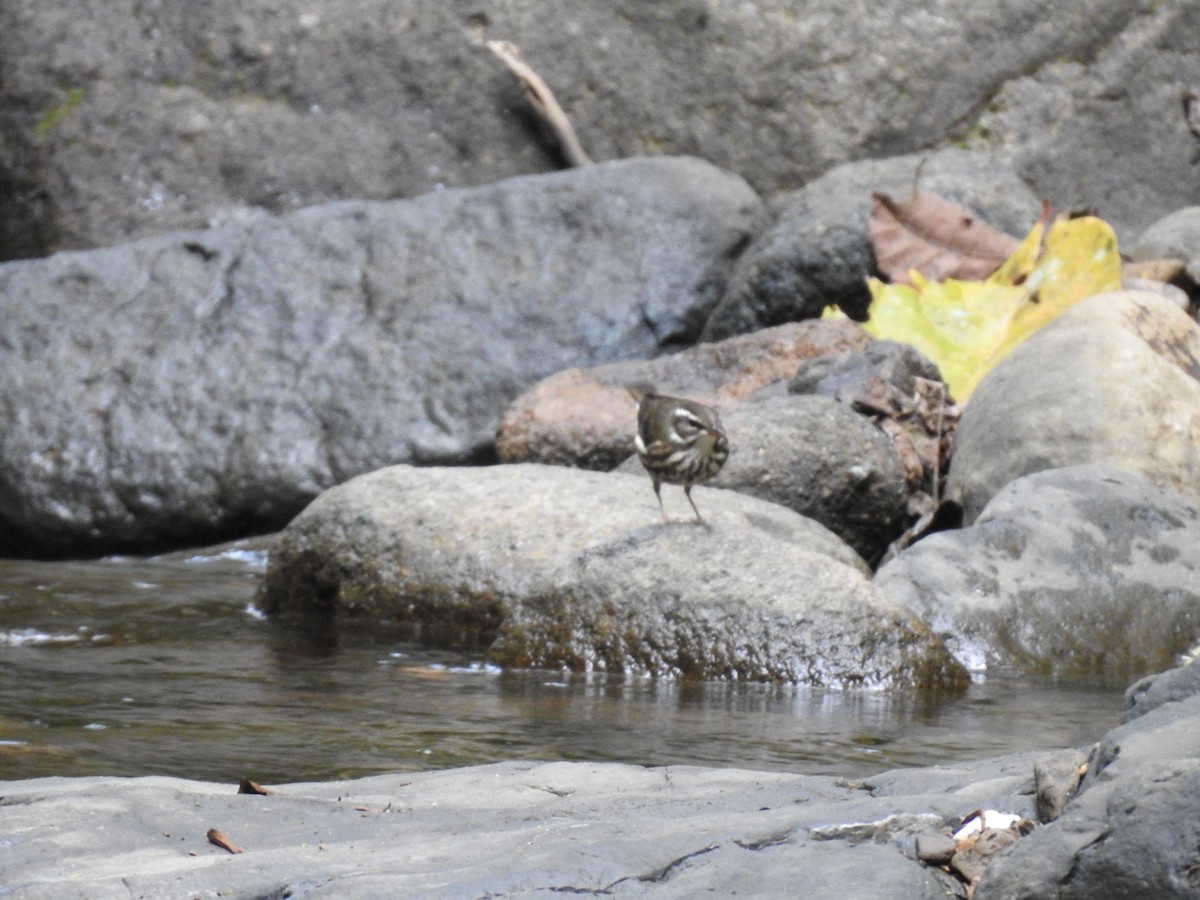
(1176, 236)
(1082, 570)
(122, 119)
(548, 567)
(202, 384)
(1115, 380)
(825, 461)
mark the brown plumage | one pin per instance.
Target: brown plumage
(678, 441)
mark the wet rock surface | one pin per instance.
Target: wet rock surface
(187, 388)
(1129, 831)
(1085, 569)
(547, 566)
(528, 828)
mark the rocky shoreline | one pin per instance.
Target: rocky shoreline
(1114, 824)
(325, 279)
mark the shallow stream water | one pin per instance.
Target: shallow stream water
(165, 666)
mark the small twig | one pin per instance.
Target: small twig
(1191, 112)
(937, 451)
(541, 98)
(916, 180)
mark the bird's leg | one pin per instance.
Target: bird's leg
(687, 490)
(658, 493)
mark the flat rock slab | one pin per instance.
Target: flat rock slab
(516, 829)
(548, 567)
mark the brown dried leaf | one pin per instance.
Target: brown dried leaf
(1168, 271)
(246, 786)
(910, 459)
(938, 238)
(215, 837)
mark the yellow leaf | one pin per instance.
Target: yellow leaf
(1017, 267)
(1079, 259)
(966, 327)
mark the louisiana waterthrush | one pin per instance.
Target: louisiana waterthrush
(678, 441)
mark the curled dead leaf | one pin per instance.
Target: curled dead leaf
(219, 839)
(936, 237)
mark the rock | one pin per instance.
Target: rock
(971, 862)
(809, 454)
(586, 418)
(551, 567)
(1086, 569)
(935, 849)
(817, 251)
(1151, 692)
(903, 394)
(194, 386)
(819, 458)
(1057, 777)
(1129, 832)
(255, 107)
(511, 829)
(1054, 122)
(1114, 380)
(1176, 236)
(849, 375)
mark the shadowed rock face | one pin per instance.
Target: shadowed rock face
(245, 108)
(196, 385)
(552, 567)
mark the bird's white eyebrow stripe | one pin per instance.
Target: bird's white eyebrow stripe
(682, 413)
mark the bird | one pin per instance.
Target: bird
(678, 441)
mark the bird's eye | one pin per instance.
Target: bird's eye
(687, 423)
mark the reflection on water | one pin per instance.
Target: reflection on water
(164, 666)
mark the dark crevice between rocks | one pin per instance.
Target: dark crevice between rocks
(771, 840)
(661, 874)
(280, 893)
